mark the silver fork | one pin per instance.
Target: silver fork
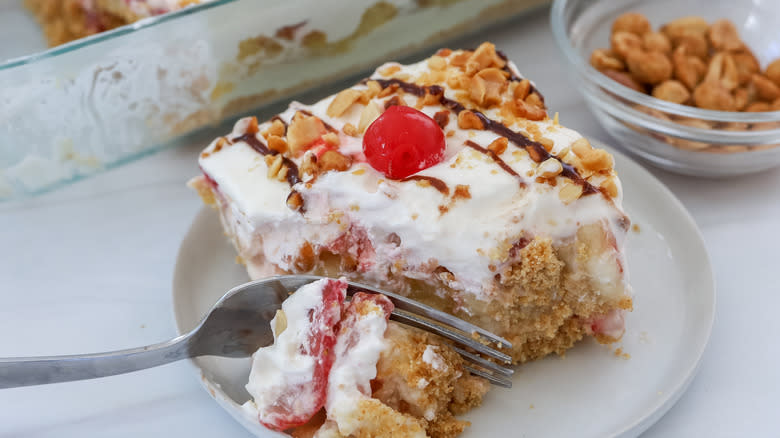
(239, 324)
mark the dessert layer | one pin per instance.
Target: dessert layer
(515, 224)
(464, 213)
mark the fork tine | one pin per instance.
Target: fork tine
(415, 320)
(484, 363)
(415, 307)
(496, 380)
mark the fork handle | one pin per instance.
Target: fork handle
(26, 371)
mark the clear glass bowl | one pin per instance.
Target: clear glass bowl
(678, 138)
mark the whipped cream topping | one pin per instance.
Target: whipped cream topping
(435, 228)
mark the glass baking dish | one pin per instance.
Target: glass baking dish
(98, 102)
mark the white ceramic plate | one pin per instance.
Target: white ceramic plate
(592, 392)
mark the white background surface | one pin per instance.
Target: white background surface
(88, 268)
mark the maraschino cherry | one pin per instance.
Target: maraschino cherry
(403, 141)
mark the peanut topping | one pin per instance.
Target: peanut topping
(549, 168)
(389, 70)
(597, 160)
(309, 164)
(369, 114)
(521, 108)
(331, 138)
(294, 201)
(332, 160)
(436, 62)
(610, 187)
(591, 159)
(486, 86)
(522, 89)
(303, 131)
(581, 147)
(485, 56)
(569, 191)
(469, 120)
(341, 103)
(274, 163)
(252, 127)
(499, 145)
(277, 128)
(277, 143)
(350, 130)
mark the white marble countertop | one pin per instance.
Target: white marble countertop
(88, 268)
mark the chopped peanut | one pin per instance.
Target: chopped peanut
(369, 114)
(436, 62)
(610, 187)
(469, 120)
(332, 160)
(303, 131)
(341, 103)
(277, 128)
(277, 143)
(569, 192)
(498, 146)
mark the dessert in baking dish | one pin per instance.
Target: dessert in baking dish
(341, 369)
(444, 181)
(67, 20)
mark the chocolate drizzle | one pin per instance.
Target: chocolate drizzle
(535, 150)
(293, 176)
(437, 184)
(501, 163)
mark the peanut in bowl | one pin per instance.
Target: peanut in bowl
(708, 118)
